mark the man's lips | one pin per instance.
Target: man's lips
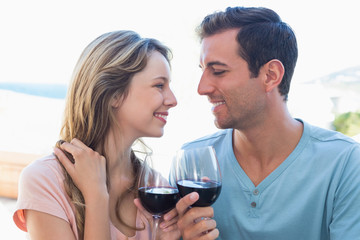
(161, 116)
(217, 104)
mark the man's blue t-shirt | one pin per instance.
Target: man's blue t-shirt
(313, 195)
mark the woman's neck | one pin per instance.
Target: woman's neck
(118, 154)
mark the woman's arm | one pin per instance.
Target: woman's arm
(89, 174)
(43, 226)
(97, 219)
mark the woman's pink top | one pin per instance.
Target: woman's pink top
(41, 188)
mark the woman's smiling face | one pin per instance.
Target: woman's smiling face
(144, 111)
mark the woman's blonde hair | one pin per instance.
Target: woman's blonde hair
(103, 72)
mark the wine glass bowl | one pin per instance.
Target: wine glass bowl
(197, 170)
(156, 195)
(158, 200)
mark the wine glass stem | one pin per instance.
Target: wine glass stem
(155, 226)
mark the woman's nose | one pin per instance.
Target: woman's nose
(170, 99)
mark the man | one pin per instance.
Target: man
(282, 178)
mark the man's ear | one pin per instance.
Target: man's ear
(274, 70)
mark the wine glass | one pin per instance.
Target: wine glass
(155, 193)
(197, 170)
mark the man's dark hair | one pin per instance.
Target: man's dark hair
(262, 36)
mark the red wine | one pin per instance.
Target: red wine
(208, 191)
(158, 200)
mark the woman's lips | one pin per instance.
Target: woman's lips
(161, 116)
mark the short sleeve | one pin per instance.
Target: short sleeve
(41, 189)
(346, 215)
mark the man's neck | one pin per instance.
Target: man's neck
(260, 150)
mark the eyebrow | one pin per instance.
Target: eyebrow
(162, 78)
(210, 64)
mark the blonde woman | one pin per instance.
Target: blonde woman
(119, 93)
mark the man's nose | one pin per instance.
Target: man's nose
(204, 87)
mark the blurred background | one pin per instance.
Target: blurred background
(42, 40)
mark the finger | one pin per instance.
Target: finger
(173, 226)
(184, 203)
(210, 235)
(138, 204)
(203, 213)
(190, 232)
(68, 165)
(205, 229)
(192, 228)
(71, 148)
(206, 225)
(213, 234)
(67, 154)
(77, 148)
(59, 142)
(79, 144)
(165, 224)
(205, 179)
(170, 215)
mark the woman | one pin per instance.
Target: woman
(119, 93)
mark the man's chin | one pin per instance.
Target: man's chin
(219, 125)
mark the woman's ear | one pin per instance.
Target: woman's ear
(116, 101)
(274, 74)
